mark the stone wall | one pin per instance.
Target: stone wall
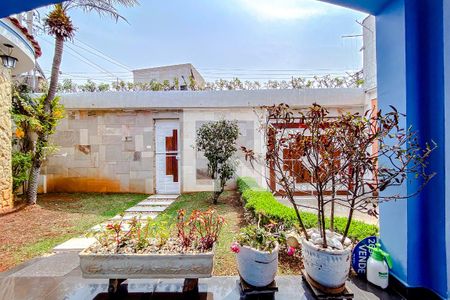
(5, 139)
(103, 151)
(113, 151)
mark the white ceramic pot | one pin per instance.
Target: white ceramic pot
(257, 268)
(329, 268)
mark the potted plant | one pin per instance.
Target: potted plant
(256, 251)
(151, 249)
(347, 159)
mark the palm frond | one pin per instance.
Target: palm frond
(101, 7)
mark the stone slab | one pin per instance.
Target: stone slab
(157, 202)
(163, 197)
(129, 216)
(75, 244)
(147, 208)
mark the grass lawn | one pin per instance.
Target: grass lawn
(232, 210)
(30, 231)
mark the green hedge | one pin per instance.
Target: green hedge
(264, 204)
(245, 183)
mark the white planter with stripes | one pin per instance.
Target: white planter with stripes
(329, 268)
(257, 268)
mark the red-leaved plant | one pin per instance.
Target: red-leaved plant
(200, 230)
(349, 159)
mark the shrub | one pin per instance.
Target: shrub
(217, 141)
(244, 183)
(21, 164)
(263, 204)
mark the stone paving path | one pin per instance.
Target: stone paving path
(148, 208)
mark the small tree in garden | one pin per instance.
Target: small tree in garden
(346, 160)
(217, 141)
(30, 118)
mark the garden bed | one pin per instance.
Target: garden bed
(231, 208)
(30, 231)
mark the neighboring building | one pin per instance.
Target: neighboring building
(16, 45)
(35, 79)
(182, 73)
(121, 141)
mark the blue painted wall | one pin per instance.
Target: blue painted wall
(426, 111)
(412, 31)
(370, 6)
(447, 130)
(391, 58)
(9, 7)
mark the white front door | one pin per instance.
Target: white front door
(167, 157)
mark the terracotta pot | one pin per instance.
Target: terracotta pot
(329, 268)
(257, 268)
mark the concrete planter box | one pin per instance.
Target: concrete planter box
(257, 268)
(109, 266)
(329, 268)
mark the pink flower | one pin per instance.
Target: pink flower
(235, 247)
(291, 251)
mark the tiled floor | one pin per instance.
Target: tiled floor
(59, 277)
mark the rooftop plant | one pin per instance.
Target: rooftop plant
(350, 80)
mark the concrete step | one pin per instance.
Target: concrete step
(156, 202)
(146, 208)
(172, 197)
(142, 215)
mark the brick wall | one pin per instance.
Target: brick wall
(5, 139)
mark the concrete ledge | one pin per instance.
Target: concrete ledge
(74, 245)
(333, 97)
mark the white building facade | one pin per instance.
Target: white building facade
(143, 142)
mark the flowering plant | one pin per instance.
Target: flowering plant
(200, 230)
(260, 238)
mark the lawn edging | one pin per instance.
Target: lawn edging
(263, 204)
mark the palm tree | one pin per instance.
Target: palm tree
(59, 24)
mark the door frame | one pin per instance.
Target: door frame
(179, 147)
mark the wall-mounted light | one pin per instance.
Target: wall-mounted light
(8, 61)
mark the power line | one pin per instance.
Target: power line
(85, 60)
(101, 54)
